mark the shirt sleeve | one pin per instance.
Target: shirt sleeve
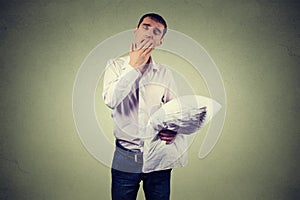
(118, 82)
(171, 91)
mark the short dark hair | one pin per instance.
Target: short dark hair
(155, 17)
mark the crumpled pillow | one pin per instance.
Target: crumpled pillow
(185, 114)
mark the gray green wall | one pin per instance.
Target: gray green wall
(255, 45)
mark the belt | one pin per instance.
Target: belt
(133, 155)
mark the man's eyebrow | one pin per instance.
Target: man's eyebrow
(149, 25)
(144, 24)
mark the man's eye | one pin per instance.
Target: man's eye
(145, 27)
(156, 32)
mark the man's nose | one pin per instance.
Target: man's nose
(149, 34)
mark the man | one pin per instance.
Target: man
(135, 87)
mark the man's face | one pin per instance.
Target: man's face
(149, 29)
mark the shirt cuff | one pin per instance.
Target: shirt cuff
(130, 73)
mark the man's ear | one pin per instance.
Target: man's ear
(161, 41)
(135, 29)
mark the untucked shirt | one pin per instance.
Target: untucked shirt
(133, 97)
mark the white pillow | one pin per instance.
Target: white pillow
(185, 114)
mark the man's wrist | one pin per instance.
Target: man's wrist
(135, 68)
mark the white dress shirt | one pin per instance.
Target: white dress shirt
(133, 97)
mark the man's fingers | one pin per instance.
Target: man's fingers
(166, 135)
(167, 139)
(147, 51)
(148, 47)
(143, 44)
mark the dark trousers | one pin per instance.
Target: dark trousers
(127, 174)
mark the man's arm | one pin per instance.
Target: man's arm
(170, 93)
(118, 82)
